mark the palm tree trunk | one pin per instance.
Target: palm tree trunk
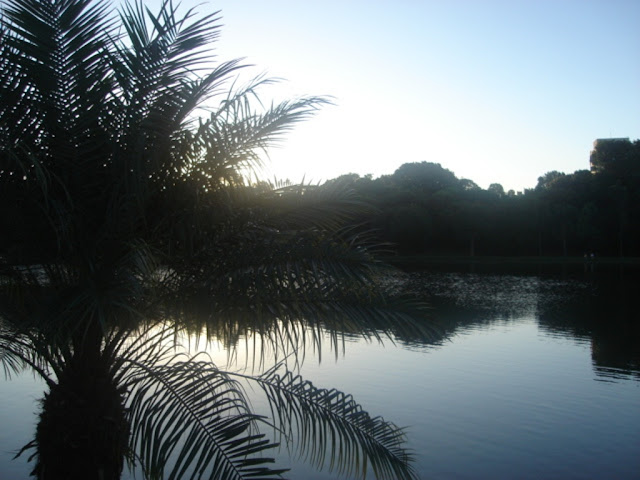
(82, 432)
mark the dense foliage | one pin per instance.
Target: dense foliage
(423, 208)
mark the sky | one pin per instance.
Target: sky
(495, 91)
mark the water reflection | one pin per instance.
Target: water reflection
(507, 390)
(505, 387)
(597, 307)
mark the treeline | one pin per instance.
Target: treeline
(423, 208)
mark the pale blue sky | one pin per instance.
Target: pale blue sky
(495, 91)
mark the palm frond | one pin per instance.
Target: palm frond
(190, 420)
(229, 145)
(12, 351)
(326, 207)
(330, 429)
(19, 350)
(57, 50)
(271, 268)
(158, 64)
(53, 87)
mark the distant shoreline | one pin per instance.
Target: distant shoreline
(416, 261)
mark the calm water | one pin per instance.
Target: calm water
(532, 376)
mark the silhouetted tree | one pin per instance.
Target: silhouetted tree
(127, 220)
(424, 208)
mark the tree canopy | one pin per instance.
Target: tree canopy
(423, 208)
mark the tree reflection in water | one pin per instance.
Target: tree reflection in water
(597, 306)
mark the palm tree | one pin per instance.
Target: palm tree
(128, 221)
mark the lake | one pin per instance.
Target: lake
(533, 374)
